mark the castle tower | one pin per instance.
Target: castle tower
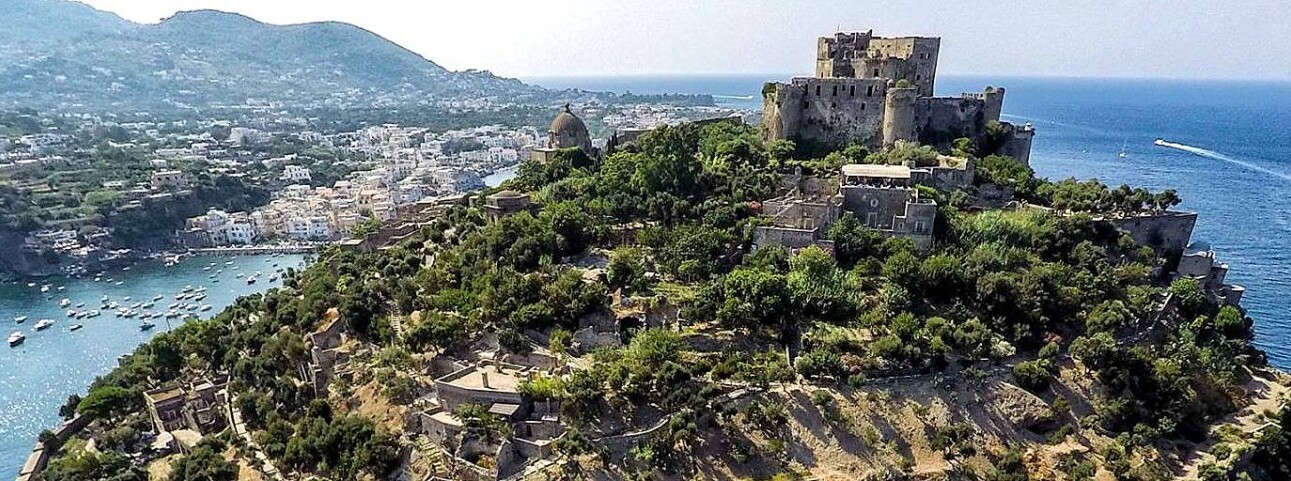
(994, 99)
(898, 115)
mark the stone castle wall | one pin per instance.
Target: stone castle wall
(833, 111)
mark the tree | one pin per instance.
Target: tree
(68, 409)
(106, 402)
(853, 242)
(1031, 375)
(203, 464)
(1189, 296)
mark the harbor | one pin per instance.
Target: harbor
(72, 330)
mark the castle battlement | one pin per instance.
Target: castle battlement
(878, 91)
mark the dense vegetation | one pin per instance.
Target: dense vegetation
(672, 215)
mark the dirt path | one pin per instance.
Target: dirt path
(1269, 393)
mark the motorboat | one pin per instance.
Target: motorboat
(146, 325)
(16, 338)
(75, 327)
(44, 324)
(65, 302)
(20, 319)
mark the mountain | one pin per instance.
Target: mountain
(66, 54)
(35, 21)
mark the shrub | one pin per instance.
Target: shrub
(1031, 375)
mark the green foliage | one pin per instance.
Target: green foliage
(203, 463)
(542, 388)
(85, 465)
(853, 241)
(1032, 375)
(108, 402)
(627, 270)
(747, 298)
(1008, 172)
(906, 153)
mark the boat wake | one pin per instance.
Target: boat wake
(1210, 154)
(734, 97)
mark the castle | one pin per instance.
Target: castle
(877, 91)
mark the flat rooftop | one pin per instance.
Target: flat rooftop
(880, 171)
(163, 395)
(506, 380)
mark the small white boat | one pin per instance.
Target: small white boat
(148, 305)
(31, 284)
(80, 305)
(71, 313)
(126, 298)
(44, 288)
(16, 338)
(44, 324)
(119, 283)
(146, 326)
(75, 327)
(206, 307)
(186, 288)
(157, 297)
(64, 303)
(20, 319)
(251, 280)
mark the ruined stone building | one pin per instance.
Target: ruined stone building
(198, 407)
(494, 386)
(884, 198)
(876, 91)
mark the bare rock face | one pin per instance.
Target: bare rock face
(1020, 408)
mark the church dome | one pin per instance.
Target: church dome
(568, 125)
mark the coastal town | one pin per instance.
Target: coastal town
(302, 188)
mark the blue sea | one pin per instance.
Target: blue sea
(1240, 183)
(37, 376)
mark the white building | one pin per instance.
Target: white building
(295, 174)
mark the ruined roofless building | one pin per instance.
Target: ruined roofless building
(876, 91)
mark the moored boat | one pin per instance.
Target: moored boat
(16, 338)
(44, 324)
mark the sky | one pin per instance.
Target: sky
(1242, 39)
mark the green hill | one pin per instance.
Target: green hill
(65, 54)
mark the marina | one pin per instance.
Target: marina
(119, 312)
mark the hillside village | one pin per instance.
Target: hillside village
(176, 185)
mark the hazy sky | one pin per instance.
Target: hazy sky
(1125, 38)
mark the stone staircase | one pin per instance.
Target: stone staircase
(434, 456)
